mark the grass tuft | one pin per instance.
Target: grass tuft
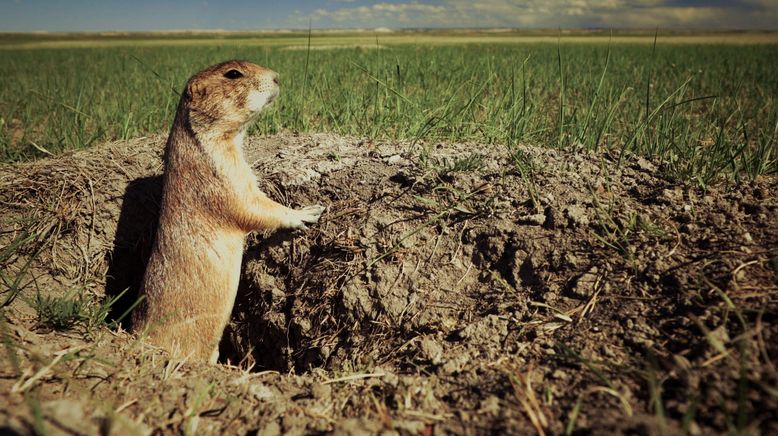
(73, 310)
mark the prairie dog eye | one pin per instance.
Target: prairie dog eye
(233, 74)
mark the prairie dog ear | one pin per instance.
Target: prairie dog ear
(195, 89)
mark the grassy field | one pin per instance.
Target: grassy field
(704, 104)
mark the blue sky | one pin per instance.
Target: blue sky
(80, 15)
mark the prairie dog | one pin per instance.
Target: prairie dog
(210, 202)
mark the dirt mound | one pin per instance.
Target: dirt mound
(447, 288)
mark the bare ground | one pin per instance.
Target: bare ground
(448, 288)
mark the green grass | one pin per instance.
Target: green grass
(75, 309)
(706, 110)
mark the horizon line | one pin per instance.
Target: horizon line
(388, 30)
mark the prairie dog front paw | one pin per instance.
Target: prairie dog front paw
(308, 214)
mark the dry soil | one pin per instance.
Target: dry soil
(458, 288)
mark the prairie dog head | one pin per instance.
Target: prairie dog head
(225, 98)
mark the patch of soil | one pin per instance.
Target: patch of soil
(447, 288)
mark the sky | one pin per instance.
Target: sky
(145, 15)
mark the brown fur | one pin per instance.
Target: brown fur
(210, 202)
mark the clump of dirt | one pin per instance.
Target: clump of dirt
(447, 288)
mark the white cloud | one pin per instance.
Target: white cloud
(378, 13)
(550, 14)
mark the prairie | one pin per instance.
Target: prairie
(526, 232)
(704, 104)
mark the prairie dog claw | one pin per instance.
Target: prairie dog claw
(308, 214)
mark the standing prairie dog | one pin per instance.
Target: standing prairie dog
(210, 201)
